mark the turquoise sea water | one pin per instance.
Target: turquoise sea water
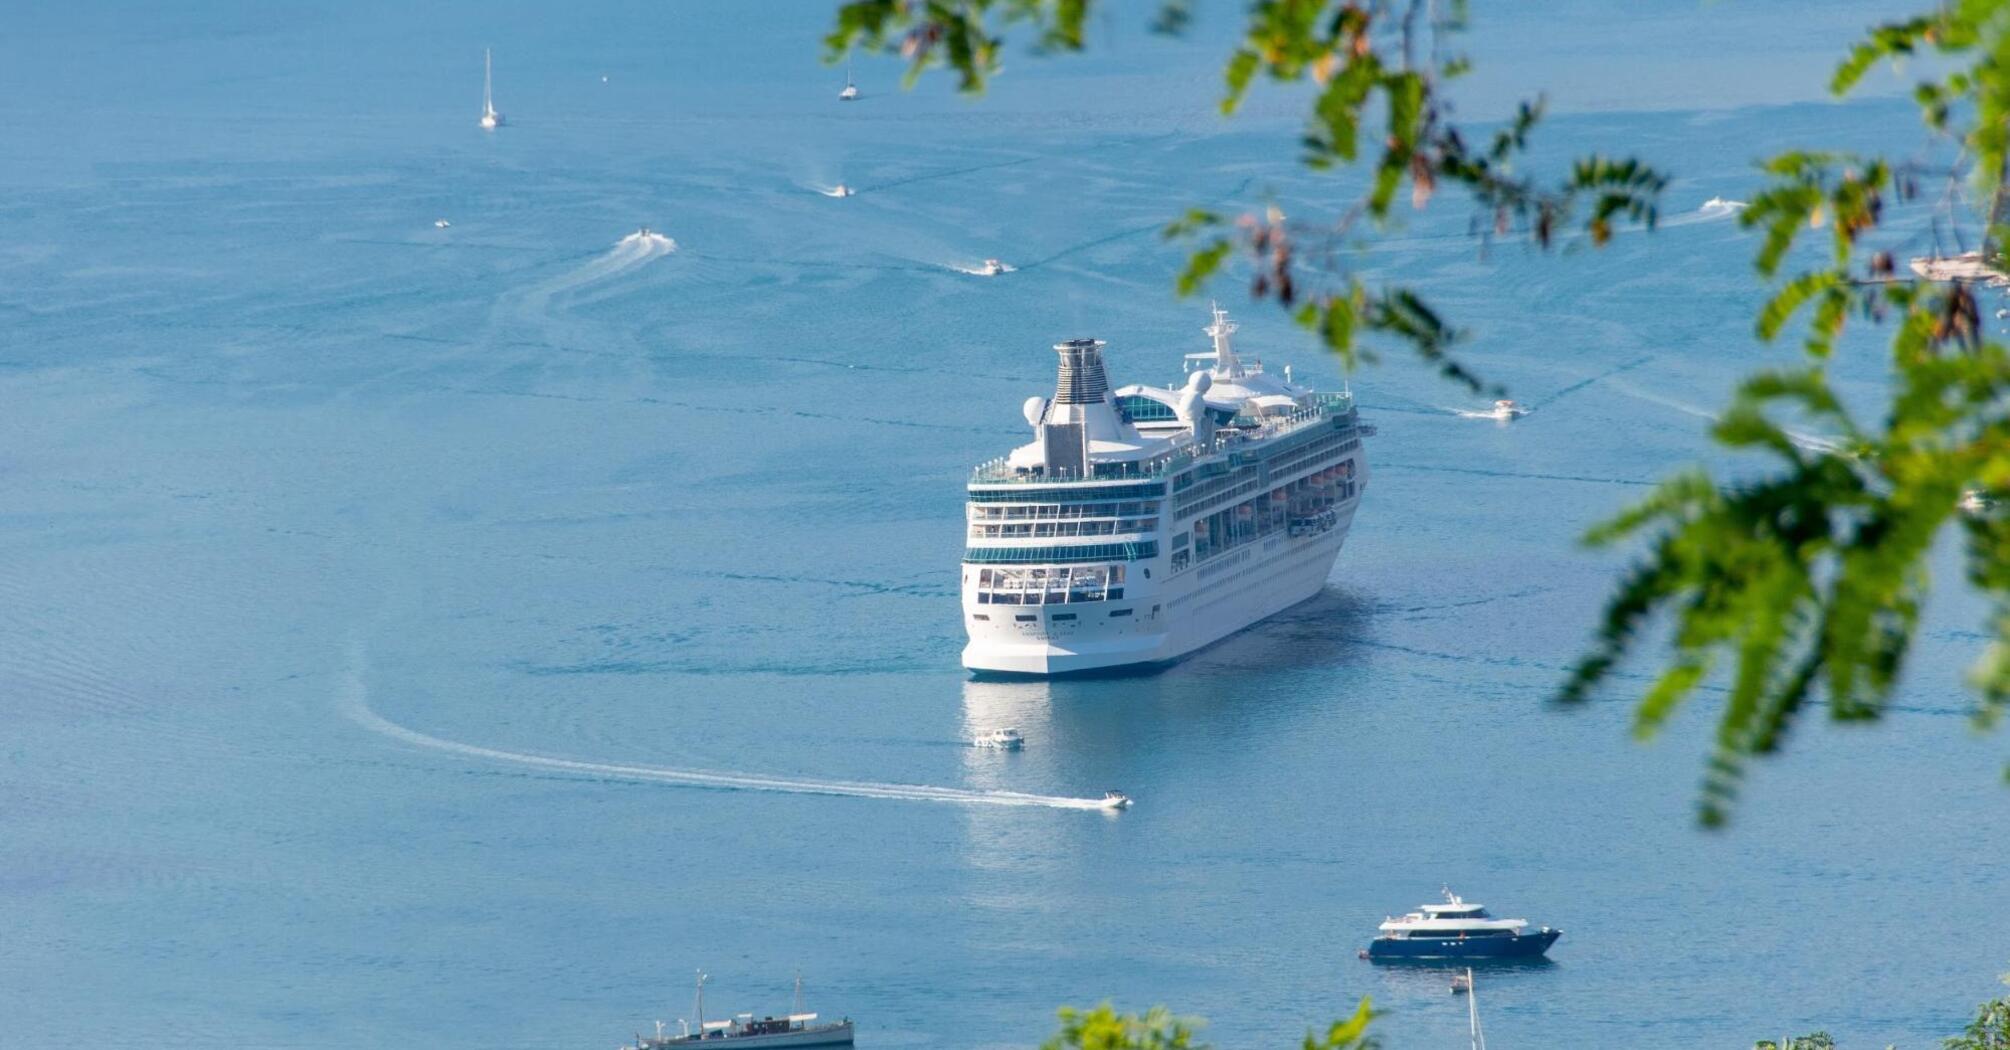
(284, 467)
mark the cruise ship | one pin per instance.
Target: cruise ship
(1141, 524)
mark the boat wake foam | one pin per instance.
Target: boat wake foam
(1712, 210)
(358, 710)
(629, 253)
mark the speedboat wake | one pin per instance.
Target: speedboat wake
(358, 711)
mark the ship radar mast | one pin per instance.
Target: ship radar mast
(1226, 364)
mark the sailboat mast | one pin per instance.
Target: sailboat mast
(698, 1009)
(488, 71)
(1473, 1011)
(1999, 216)
(799, 991)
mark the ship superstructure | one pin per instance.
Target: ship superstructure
(1143, 523)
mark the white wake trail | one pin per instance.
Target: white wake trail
(358, 710)
(628, 253)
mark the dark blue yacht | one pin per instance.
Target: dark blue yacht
(1458, 930)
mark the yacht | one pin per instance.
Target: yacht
(1116, 800)
(1007, 739)
(850, 92)
(746, 1032)
(1456, 929)
(1143, 523)
(490, 118)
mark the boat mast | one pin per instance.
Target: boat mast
(1225, 362)
(488, 96)
(1473, 1012)
(699, 1008)
(799, 991)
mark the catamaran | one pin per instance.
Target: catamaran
(490, 118)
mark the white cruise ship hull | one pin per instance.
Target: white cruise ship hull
(1246, 587)
(1142, 525)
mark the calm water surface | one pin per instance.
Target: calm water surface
(281, 463)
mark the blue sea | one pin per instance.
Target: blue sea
(316, 517)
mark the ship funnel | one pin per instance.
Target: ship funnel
(1081, 381)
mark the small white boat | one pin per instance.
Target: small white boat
(850, 92)
(490, 118)
(441, 224)
(1506, 409)
(1974, 502)
(1720, 206)
(839, 190)
(1007, 739)
(992, 268)
(1116, 800)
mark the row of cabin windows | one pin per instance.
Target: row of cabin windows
(1139, 551)
(1458, 934)
(1050, 511)
(1034, 618)
(1070, 494)
(1046, 529)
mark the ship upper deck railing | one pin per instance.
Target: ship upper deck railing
(1242, 430)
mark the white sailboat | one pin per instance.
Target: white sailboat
(850, 92)
(490, 118)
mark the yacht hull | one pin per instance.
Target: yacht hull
(1521, 946)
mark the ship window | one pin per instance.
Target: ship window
(984, 597)
(1026, 618)
(1114, 613)
(1064, 616)
(980, 616)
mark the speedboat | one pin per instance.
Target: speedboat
(441, 224)
(1456, 929)
(1007, 738)
(1720, 206)
(1506, 409)
(644, 232)
(1116, 800)
(992, 268)
(840, 190)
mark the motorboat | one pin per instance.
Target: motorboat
(1007, 739)
(1457, 929)
(1974, 502)
(840, 190)
(745, 1031)
(441, 224)
(1116, 800)
(1506, 409)
(490, 118)
(992, 268)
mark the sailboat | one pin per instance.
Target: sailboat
(850, 92)
(1984, 267)
(490, 118)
